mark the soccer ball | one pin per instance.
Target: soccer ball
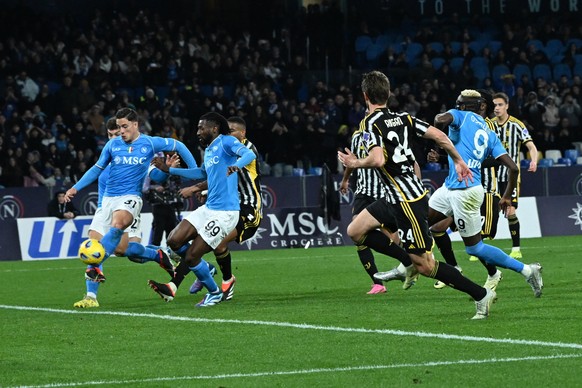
(91, 252)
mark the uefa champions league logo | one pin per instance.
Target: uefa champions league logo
(577, 215)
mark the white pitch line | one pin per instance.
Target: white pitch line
(305, 326)
(308, 371)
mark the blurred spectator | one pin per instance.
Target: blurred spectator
(57, 207)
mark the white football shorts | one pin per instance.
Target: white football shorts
(99, 225)
(213, 225)
(464, 205)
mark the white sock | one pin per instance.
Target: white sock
(401, 268)
(92, 295)
(526, 271)
(515, 249)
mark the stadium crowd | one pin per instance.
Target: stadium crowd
(61, 79)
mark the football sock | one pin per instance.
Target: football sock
(203, 274)
(180, 273)
(453, 278)
(514, 229)
(491, 269)
(367, 259)
(381, 243)
(111, 240)
(92, 287)
(224, 261)
(182, 250)
(445, 246)
(494, 255)
(135, 249)
(526, 271)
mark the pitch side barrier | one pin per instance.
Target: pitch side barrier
(292, 215)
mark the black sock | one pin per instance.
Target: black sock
(381, 243)
(367, 259)
(224, 261)
(491, 269)
(453, 278)
(514, 229)
(181, 271)
(445, 246)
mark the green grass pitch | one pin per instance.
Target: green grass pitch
(299, 317)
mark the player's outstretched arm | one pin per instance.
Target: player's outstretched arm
(88, 177)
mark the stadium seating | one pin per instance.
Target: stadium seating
(437, 63)
(536, 43)
(543, 163)
(524, 164)
(561, 69)
(554, 155)
(437, 47)
(413, 51)
(362, 43)
(494, 46)
(572, 154)
(542, 71)
(497, 72)
(455, 46)
(456, 64)
(432, 166)
(519, 70)
(564, 162)
(553, 47)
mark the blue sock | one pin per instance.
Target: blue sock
(202, 272)
(495, 256)
(182, 250)
(135, 249)
(92, 287)
(111, 240)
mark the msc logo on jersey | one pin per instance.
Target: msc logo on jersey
(132, 160)
(11, 207)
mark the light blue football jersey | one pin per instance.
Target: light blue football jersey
(474, 141)
(102, 184)
(130, 162)
(222, 190)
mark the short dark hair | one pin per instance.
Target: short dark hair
(376, 85)
(111, 124)
(237, 120)
(218, 120)
(127, 113)
(503, 96)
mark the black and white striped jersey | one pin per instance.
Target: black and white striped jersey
(249, 181)
(394, 132)
(368, 181)
(513, 134)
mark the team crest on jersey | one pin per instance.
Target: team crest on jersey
(214, 149)
(117, 160)
(144, 150)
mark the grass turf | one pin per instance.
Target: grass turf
(299, 317)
